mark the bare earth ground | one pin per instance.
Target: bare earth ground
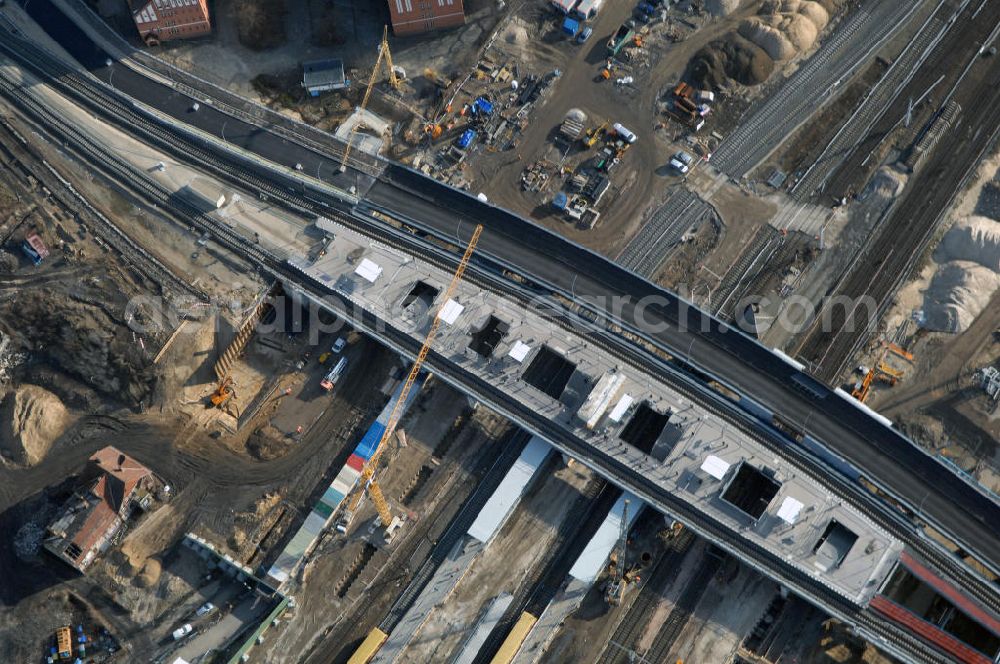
(937, 402)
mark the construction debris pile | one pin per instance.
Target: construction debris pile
(79, 329)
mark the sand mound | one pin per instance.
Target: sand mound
(516, 33)
(722, 7)
(782, 30)
(957, 294)
(815, 12)
(975, 239)
(733, 58)
(799, 30)
(769, 38)
(30, 421)
(150, 574)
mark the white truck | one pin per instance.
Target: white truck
(334, 375)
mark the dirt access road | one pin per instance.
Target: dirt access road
(642, 175)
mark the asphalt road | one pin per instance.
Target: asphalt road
(739, 361)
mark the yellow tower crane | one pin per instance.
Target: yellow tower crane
(383, 56)
(368, 482)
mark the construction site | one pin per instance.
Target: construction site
(201, 461)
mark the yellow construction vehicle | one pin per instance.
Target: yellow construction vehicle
(882, 371)
(594, 135)
(368, 482)
(383, 56)
(888, 374)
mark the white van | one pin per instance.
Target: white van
(626, 135)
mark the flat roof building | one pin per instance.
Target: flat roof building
(162, 20)
(323, 75)
(412, 17)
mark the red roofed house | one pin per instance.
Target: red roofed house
(90, 519)
(410, 17)
(163, 20)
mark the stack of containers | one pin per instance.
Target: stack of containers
(321, 514)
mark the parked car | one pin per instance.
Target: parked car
(682, 162)
(182, 631)
(205, 609)
(584, 35)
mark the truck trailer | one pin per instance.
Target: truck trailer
(620, 39)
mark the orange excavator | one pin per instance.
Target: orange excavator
(223, 392)
(882, 371)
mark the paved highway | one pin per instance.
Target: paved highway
(547, 259)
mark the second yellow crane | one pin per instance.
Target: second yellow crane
(368, 483)
(383, 56)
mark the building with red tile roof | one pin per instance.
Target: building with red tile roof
(97, 511)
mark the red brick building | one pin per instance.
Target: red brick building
(163, 20)
(411, 17)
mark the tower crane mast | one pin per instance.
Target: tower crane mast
(368, 482)
(383, 56)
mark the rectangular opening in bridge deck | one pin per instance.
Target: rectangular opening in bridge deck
(421, 295)
(485, 341)
(833, 546)
(644, 428)
(549, 372)
(751, 490)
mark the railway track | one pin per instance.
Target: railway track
(103, 228)
(456, 529)
(233, 104)
(753, 260)
(775, 118)
(541, 585)
(651, 246)
(634, 622)
(889, 257)
(482, 274)
(686, 604)
(875, 103)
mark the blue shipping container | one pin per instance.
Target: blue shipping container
(466, 138)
